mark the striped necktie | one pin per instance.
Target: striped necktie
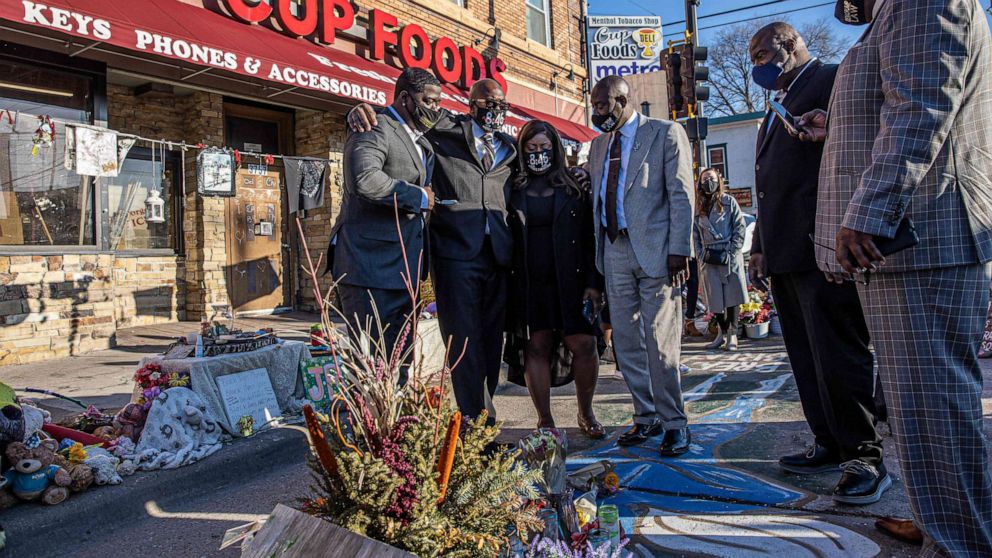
(489, 151)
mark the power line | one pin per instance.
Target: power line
(735, 10)
(763, 16)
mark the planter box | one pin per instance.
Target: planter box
(291, 533)
(757, 331)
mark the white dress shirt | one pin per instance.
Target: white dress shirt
(780, 95)
(627, 132)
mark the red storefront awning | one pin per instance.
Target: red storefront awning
(178, 31)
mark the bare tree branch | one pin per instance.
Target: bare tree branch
(730, 63)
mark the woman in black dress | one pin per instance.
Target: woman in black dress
(553, 275)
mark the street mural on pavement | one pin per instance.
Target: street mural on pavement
(699, 504)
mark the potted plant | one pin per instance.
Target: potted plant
(754, 315)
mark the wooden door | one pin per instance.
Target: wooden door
(258, 258)
(254, 243)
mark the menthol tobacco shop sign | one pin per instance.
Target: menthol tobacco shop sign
(624, 45)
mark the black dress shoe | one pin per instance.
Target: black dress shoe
(638, 434)
(676, 442)
(817, 459)
(861, 483)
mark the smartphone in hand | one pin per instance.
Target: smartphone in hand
(788, 120)
(589, 311)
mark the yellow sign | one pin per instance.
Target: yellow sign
(647, 38)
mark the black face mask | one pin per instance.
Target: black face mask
(709, 185)
(539, 162)
(852, 12)
(489, 119)
(423, 116)
(610, 121)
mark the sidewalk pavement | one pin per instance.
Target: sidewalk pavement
(727, 497)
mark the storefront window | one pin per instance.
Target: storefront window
(42, 203)
(124, 196)
(537, 21)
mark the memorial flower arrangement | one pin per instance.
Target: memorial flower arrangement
(755, 310)
(545, 450)
(153, 380)
(399, 465)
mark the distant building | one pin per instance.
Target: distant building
(649, 93)
(730, 147)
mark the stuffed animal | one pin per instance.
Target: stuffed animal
(130, 421)
(82, 475)
(34, 476)
(11, 418)
(104, 466)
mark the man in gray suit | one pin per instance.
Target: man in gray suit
(641, 173)
(910, 136)
(387, 172)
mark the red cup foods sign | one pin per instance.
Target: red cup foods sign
(321, 20)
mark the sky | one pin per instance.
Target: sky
(674, 10)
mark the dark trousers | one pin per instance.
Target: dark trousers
(692, 290)
(393, 307)
(727, 320)
(827, 341)
(471, 306)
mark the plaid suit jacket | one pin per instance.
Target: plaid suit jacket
(910, 133)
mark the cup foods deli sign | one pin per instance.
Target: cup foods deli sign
(321, 20)
(624, 45)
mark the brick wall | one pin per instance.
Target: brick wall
(526, 60)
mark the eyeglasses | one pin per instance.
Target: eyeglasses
(865, 274)
(492, 104)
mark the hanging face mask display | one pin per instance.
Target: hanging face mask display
(609, 121)
(710, 185)
(852, 12)
(491, 117)
(539, 162)
(766, 75)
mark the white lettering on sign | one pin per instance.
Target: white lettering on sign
(65, 20)
(186, 50)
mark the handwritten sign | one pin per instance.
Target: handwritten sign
(319, 379)
(248, 393)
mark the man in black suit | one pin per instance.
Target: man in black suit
(825, 332)
(471, 245)
(387, 175)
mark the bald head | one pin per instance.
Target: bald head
(611, 86)
(780, 43)
(486, 89)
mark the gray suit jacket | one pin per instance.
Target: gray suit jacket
(910, 134)
(382, 173)
(658, 194)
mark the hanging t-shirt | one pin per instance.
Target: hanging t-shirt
(305, 182)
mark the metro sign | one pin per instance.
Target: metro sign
(322, 20)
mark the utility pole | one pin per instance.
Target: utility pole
(691, 28)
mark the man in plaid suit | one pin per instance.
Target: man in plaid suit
(910, 135)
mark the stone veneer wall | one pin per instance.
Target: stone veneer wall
(320, 134)
(56, 305)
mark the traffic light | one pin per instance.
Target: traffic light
(692, 91)
(676, 102)
(697, 128)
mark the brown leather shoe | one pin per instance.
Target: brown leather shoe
(900, 529)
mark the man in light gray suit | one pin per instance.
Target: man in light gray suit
(641, 174)
(910, 136)
(387, 171)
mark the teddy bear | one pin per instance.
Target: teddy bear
(129, 421)
(82, 475)
(33, 474)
